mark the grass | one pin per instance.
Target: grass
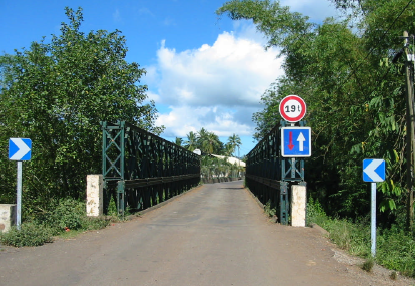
(368, 264)
(395, 247)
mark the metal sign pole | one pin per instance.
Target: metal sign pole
(20, 149)
(374, 171)
(19, 193)
(373, 220)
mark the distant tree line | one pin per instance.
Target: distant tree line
(209, 143)
(214, 169)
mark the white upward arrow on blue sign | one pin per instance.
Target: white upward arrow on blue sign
(374, 170)
(20, 149)
(296, 141)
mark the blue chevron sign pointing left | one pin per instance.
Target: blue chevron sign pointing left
(20, 149)
(373, 170)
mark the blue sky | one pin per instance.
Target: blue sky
(202, 71)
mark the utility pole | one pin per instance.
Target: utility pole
(410, 129)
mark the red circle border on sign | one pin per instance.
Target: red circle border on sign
(300, 101)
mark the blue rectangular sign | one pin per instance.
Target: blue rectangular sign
(374, 170)
(296, 141)
(20, 149)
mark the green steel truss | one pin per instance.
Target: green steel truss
(141, 169)
(269, 175)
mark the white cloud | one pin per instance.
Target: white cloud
(183, 119)
(216, 86)
(233, 71)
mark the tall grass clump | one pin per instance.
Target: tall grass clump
(347, 235)
(396, 250)
(315, 213)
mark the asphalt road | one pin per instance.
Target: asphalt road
(213, 235)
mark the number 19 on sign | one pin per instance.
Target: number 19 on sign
(292, 108)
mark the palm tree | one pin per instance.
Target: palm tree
(234, 141)
(208, 141)
(228, 149)
(212, 143)
(179, 141)
(191, 142)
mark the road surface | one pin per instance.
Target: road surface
(213, 235)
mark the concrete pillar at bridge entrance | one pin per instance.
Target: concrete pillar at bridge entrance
(8, 213)
(94, 195)
(298, 205)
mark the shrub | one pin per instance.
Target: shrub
(68, 214)
(30, 234)
(270, 211)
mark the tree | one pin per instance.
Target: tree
(234, 141)
(191, 142)
(57, 94)
(355, 100)
(179, 141)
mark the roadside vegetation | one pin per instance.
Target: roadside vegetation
(351, 72)
(67, 215)
(395, 246)
(57, 93)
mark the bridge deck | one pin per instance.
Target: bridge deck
(212, 235)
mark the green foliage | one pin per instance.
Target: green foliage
(209, 143)
(57, 94)
(214, 167)
(354, 94)
(234, 142)
(66, 215)
(112, 208)
(315, 213)
(395, 247)
(31, 234)
(69, 214)
(396, 250)
(270, 210)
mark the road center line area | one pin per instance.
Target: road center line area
(215, 234)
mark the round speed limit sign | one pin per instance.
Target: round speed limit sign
(292, 108)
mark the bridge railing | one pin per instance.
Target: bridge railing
(269, 175)
(141, 169)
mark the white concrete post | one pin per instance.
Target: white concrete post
(94, 194)
(298, 205)
(8, 218)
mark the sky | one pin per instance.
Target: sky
(202, 70)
